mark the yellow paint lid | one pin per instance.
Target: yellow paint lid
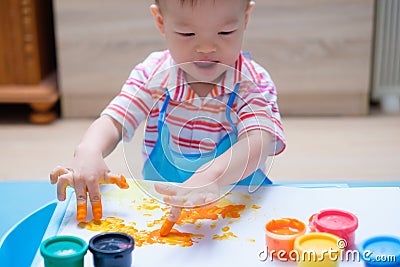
(318, 243)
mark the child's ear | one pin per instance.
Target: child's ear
(248, 12)
(158, 18)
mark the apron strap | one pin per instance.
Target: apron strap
(229, 105)
(163, 111)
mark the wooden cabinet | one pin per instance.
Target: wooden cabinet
(27, 56)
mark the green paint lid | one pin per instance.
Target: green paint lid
(63, 249)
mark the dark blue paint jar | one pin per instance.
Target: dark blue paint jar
(112, 249)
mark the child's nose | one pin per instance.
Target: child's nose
(206, 48)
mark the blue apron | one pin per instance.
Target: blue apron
(164, 164)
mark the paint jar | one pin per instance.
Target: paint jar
(381, 251)
(280, 235)
(338, 222)
(112, 249)
(66, 251)
(317, 250)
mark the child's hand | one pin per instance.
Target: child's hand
(184, 197)
(188, 197)
(172, 218)
(68, 177)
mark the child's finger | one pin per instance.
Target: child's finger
(166, 189)
(119, 180)
(175, 200)
(56, 173)
(174, 213)
(95, 200)
(173, 216)
(210, 198)
(166, 227)
(81, 201)
(64, 180)
(191, 201)
(81, 211)
(97, 210)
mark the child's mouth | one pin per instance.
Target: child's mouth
(205, 64)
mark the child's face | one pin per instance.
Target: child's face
(205, 33)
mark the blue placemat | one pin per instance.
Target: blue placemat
(18, 199)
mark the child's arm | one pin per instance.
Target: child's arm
(238, 162)
(88, 168)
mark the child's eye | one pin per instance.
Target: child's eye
(185, 34)
(226, 32)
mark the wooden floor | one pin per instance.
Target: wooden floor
(318, 149)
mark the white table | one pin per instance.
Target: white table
(376, 208)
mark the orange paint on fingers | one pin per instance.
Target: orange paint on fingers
(97, 210)
(81, 210)
(166, 227)
(122, 183)
(119, 181)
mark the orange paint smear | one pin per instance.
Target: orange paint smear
(150, 204)
(199, 225)
(210, 213)
(213, 225)
(175, 237)
(224, 236)
(142, 237)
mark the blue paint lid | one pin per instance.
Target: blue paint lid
(381, 251)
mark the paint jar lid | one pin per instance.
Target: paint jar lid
(334, 220)
(63, 248)
(317, 242)
(387, 248)
(111, 243)
(285, 228)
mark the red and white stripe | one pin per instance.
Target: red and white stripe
(196, 124)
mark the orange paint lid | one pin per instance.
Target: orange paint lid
(285, 228)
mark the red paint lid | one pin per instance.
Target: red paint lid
(335, 220)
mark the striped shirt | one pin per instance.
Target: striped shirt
(196, 124)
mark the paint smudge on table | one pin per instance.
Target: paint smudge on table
(224, 209)
(226, 235)
(142, 237)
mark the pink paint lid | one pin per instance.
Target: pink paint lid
(335, 220)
